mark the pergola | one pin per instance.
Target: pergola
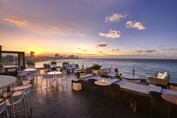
(21, 57)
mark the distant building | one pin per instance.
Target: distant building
(57, 56)
(32, 54)
(71, 56)
(10, 59)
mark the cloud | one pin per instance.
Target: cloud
(53, 30)
(103, 44)
(135, 25)
(115, 50)
(170, 49)
(82, 49)
(115, 17)
(15, 21)
(149, 51)
(139, 51)
(112, 34)
(145, 51)
(161, 46)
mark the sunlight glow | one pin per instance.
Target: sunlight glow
(38, 51)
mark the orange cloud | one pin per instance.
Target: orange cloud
(15, 21)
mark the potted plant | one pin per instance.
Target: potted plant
(30, 64)
(95, 69)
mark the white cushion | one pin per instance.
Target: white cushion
(159, 75)
(164, 75)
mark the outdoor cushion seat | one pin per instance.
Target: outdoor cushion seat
(160, 78)
(108, 72)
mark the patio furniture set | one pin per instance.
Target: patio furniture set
(154, 90)
(16, 90)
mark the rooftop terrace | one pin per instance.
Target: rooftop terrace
(65, 103)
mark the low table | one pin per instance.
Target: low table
(54, 73)
(103, 82)
(132, 78)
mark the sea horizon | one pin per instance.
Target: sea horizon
(143, 67)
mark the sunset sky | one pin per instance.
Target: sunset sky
(90, 28)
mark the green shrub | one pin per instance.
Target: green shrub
(96, 67)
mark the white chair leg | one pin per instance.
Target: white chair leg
(13, 111)
(42, 82)
(28, 104)
(7, 113)
(25, 109)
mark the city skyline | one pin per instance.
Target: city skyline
(95, 28)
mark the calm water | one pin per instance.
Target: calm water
(143, 67)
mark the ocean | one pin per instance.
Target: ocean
(143, 67)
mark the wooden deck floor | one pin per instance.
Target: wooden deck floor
(57, 102)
